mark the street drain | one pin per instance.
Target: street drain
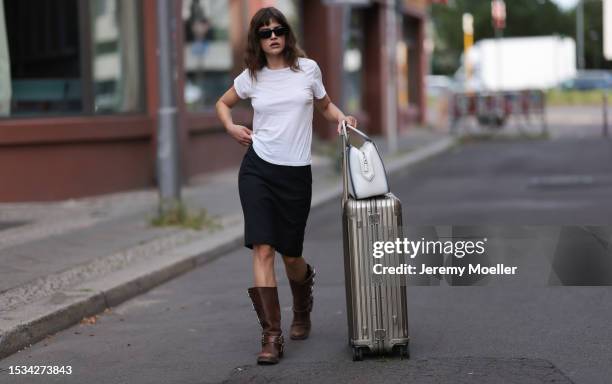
(567, 181)
(4, 225)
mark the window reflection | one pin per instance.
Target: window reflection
(353, 63)
(208, 54)
(117, 70)
(208, 51)
(291, 10)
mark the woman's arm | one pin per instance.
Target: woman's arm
(239, 132)
(333, 113)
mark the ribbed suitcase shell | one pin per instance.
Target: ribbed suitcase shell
(376, 304)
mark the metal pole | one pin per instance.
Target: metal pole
(543, 113)
(168, 177)
(346, 35)
(605, 113)
(580, 34)
(497, 94)
(391, 130)
(468, 42)
(344, 141)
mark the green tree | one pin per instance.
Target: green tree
(593, 35)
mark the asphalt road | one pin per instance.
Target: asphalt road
(201, 328)
(511, 182)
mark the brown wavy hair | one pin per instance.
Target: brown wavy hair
(255, 58)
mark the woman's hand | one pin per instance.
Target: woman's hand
(350, 120)
(240, 133)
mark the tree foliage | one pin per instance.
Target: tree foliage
(523, 18)
(593, 35)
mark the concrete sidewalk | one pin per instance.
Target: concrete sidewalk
(61, 262)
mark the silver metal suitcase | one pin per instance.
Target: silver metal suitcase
(376, 304)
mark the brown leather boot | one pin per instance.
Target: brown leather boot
(302, 305)
(265, 302)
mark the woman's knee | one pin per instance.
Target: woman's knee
(292, 261)
(263, 252)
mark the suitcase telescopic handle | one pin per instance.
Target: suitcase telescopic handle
(345, 144)
(345, 135)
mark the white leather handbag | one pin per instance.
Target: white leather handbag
(366, 171)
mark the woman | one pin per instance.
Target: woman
(275, 180)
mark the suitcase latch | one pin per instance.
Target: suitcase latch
(374, 218)
(380, 334)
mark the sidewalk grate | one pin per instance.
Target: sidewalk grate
(569, 181)
(4, 225)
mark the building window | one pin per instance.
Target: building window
(411, 60)
(116, 56)
(70, 57)
(5, 68)
(208, 54)
(353, 62)
(292, 11)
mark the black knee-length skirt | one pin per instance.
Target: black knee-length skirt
(275, 202)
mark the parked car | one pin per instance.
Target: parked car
(589, 80)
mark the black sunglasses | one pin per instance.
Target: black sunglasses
(267, 33)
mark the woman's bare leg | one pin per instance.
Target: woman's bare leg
(295, 267)
(263, 265)
(301, 280)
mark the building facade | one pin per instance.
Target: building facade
(79, 89)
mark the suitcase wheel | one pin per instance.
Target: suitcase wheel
(357, 353)
(404, 351)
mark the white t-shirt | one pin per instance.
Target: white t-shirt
(283, 103)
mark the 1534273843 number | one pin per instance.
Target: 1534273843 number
(40, 370)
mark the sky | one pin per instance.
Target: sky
(565, 4)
